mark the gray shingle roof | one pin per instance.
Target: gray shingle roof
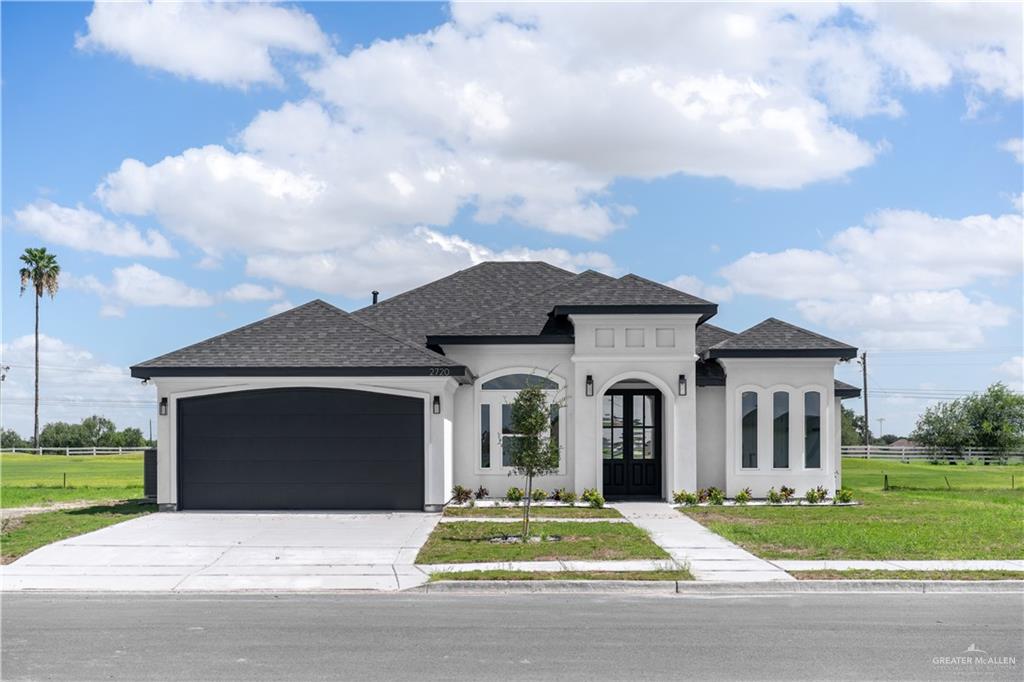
(529, 315)
(775, 338)
(313, 336)
(708, 335)
(460, 296)
(845, 390)
(632, 290)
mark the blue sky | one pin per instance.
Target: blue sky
(822, 170)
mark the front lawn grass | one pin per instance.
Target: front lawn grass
(21, 535)
(977, 516)
(469, 542)
(679, 574)
(873, 574)
(37, 480)
(535, 512)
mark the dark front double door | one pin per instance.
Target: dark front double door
(631, 443)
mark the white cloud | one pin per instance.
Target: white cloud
(280, 307)
(895, 282)
(247, 292)
(86, 230)
(1015, 145)
(73, 384)
(1014, 370)
(395, 263)
(697, 287)
(225, 43)
(137, 285)
(1018, 201)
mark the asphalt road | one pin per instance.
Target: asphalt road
(563, 637)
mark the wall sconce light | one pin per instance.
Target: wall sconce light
(590, 386)
(163, 407)
(437, 404)
(682, 384)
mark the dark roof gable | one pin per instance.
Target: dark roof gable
(316, 338)
(775, 338)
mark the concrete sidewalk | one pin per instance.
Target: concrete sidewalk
(709, 556)
(896, 565)
(197, 552)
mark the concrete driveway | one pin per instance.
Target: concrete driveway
(189, 552)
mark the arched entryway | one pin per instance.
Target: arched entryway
(632, 440)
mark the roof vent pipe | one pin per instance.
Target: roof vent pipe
(375, 295)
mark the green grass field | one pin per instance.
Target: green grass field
(471, 541)
(22, 535)
(976, 515)
(34, 480)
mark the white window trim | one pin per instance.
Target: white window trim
(765, 433)
(498, 398)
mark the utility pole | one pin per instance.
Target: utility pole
(864, 373)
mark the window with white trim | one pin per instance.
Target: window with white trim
(749, 430)
(780, 430)
(496, 397)
(812, 430)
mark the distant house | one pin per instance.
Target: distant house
(390, 406)
(904, 443)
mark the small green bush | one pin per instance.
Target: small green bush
(539, 495)
(568, 497)
(592, 497)
(556, 494)
(683, 497)
(843, 496)
(774, 496)
(715, 496)
(743, 496)
(702, 495)
(482, 492)
(816, 495)
(515, 494)
(786, 492)
(461, 494)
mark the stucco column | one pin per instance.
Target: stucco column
(682, 466)
(586, 449)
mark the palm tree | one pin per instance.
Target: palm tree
(41, 271)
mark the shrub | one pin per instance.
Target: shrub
(774, 496)
(592, 497)
(715, 496)
(702, 495)
(786, 492)
(515, 495)
(482, 492)
(843, 496)
(461, 494)
(816, 494)
(683, 497)
(539, 495)
(556, 494)
(743, 496)
(569, 497)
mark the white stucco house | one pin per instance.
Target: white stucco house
(391, 406)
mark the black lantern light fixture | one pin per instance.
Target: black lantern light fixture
(437, 404)
(163, 407)
(590, 386)
(682, 384)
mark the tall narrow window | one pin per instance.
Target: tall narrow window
(611, 431)
(553, 411)
(506, 433)
(485, 436)
(749, 444)
(812, 430)
(780, 430)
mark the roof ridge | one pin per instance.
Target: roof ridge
(243, 327)
(423, 350)
(494, 311)
(663, 286)
(453, 275)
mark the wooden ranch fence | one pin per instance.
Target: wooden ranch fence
(74, 451)
(910, 454)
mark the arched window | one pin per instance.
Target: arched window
(812, 430)
(496, 399)
(749, 430)
(780, 430)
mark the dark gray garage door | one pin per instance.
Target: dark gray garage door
(300, 448)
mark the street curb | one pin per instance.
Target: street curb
(731, 588)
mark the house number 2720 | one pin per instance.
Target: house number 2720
(439, 371)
